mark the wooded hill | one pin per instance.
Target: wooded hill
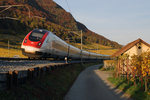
(46, 14)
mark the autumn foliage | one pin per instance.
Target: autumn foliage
(138, 68)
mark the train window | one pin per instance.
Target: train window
(36, 35)
(39, 35)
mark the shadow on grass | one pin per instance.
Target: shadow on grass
(135, 92)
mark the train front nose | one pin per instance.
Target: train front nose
(33, 41)
(29, 49)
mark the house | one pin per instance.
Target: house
(124, 55)
(134, 48)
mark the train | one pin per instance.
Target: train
(41, 43)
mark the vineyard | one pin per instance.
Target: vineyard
(135, 69)
(131, 74)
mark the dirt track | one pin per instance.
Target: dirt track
(92, 84)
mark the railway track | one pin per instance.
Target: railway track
(11, 64)
(24, 64)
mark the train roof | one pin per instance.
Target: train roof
(40, 29)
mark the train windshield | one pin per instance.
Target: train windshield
(37, 35)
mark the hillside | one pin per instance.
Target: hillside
(45, 14)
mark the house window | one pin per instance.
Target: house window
(139, 47)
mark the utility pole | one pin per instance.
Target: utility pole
(97, 49)
(81, 45)
(8, 49)
(81, 40)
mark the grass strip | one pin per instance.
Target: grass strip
(135, 91)
(53, 86)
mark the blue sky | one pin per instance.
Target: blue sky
(122, 21)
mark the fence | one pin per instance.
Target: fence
(14, 78)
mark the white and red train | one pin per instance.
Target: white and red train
(41, 43)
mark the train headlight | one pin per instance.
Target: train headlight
(25, 41)
(39, 44)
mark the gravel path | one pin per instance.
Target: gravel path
(92, 84)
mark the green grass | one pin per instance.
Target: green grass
(135, 91)
(53, 86)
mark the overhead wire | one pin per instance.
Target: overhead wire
(68, 6)
(70, 11)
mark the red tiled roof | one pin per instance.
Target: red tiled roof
(128, 46)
